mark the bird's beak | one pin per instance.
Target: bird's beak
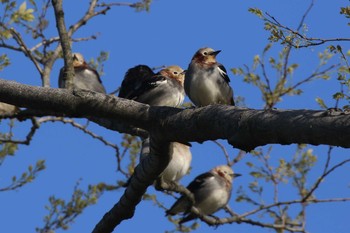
(75, 57)
(183, 72)
(236, 175)
(215, 53)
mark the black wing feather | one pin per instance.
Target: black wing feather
(147, 84)
(133, 80)
(199, 181)
(224, 73)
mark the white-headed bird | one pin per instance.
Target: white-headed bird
(211, 191)
(85, 77)
(162, 89)
(206, 80)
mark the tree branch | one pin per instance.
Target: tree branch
(243, 128)
(145, 174)
(65, 43)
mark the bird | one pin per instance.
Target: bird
(179, 163)
(211, 191)
(8, 109)
(164, 88)
(85, 77)
(206, 80)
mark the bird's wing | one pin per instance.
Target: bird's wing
(133, 80)
(148, 85)
(200, 181)
(86, 66)
(223, 73)
(183, 204)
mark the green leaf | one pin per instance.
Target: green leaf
(345, 11)
(321, 103)
(267, 48)
(256, 174)
(256, 12)
(22, 7)
(338, 96)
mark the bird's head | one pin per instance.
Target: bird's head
(225, 172)
(174, 72)
(78, 59)
(206, 56)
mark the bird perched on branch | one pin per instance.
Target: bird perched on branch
(85, 77)
(206, 80)
(162, 89)
(211, 191)
(179, 164)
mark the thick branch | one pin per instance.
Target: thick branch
(145, 174)
(243, 128)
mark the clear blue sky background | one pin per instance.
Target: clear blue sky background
(170, 34)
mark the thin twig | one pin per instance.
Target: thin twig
(29, 137)
(320, 179)
(22, 47)
(80, 127)
(227, 156)
(57, 39)
(314, 75)
(311, 41)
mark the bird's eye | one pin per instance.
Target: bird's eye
(175, 72)
(205, 53)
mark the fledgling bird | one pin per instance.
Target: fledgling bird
(206, 80)
(211, 191)
(179, 164)
(85, 77)
(162, 89)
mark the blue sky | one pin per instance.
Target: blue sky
(170, 34)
